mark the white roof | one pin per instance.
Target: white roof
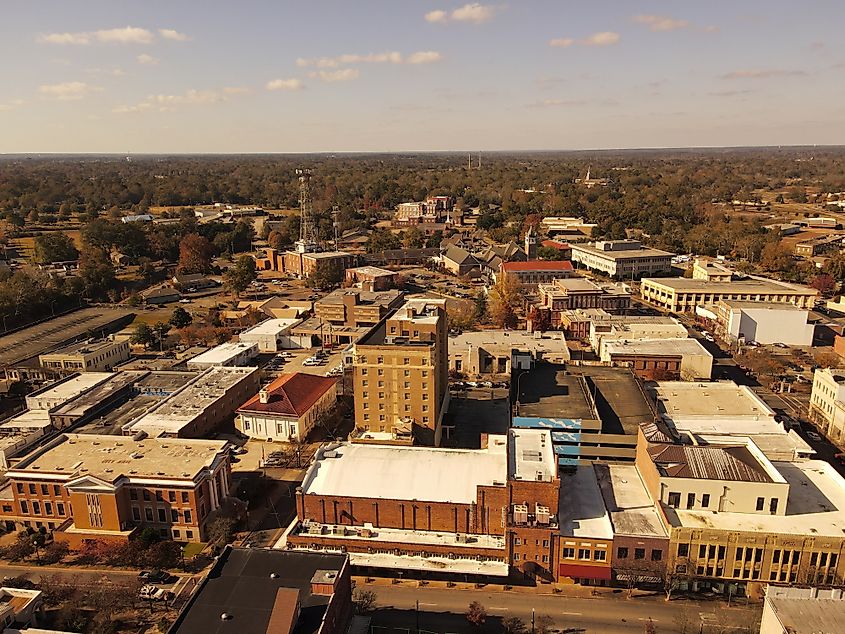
(816, 506)
(631, 509)
(682, 347)
(531, 455)
(406, 473)
(706, 401)
(30, 419)
(270, 327)
(224, 353)
(71, 388)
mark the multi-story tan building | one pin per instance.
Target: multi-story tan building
(622, 258)
(827, 403)
(354, 307)
(401, 373)
(86, 486)
(564, 295)
(680, 294)
(94, 356)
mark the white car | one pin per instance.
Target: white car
(154, 593)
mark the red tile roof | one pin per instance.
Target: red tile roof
(538, 265)
(555, 244)
(291, 394)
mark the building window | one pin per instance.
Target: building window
(773, 506)
(171, 496)
(517, 541)
(45, 490)
(32, 489)
(761, 502)
(705, 500)
(656, 554)
(639, 553)
(60, 508)
(48, 508)
(584, 553)
(702, 551)
(174, 515)
(175, 533)
(187, 514)
(690, 500)
(189, 534)
(146, 496)
(516, 556)
(24, 507)
(36, 507)
(184, 496)
(674, 499)
(133, 494)
(545, 543)
(622, 552)
(159, 496)
(568, 552)
(148, 513)
(20, 487)
(600, 555)
(136, 514)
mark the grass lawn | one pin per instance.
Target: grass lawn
(192, 549)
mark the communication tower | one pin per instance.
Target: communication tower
(307, 242)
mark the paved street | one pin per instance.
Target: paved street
(441, 610)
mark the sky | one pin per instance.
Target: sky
(233, 76)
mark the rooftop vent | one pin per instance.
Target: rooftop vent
(225, 617)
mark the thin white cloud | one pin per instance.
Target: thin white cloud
(236, 90)
(332, 76)
(147, 60)
(768, 73)
(602, 38)
(284, 84)
(11, 105)
(437, 16)
(67, 91)
(424, 57)
(386, 57)
(125, 35)
(661, 23)
(474, 13)
(176, 36)
(121, 35)
(65, 38)
(169, 103)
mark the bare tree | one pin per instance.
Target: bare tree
(476, 614)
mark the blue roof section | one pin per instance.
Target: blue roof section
(567, 450)
(567, 462)
(566, 437)
(533, 422)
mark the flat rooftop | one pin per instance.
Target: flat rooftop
(623, 254)
(750, 285)
(173, 413)
(807, 610)
(531, 456)
(68, 389)
(373, 271)
(110, 458)
(406, 473)
(815, 506)
(248, 584)
(657, 347)
(620, 400)
(549, 391)
(731, 460)
(746, 305)
(31, 419)
(581, 510)
(363, 298)
(164, 381)
(506, 340)
(223, 353)
(271, 327)
(83, 347)
(631, 509)
(92, 398)
(48, 335)
(684, 400)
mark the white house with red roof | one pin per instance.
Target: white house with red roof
(287, 409)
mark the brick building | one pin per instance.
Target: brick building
(85, 486)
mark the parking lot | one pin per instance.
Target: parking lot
(298, 361)
(419, 280)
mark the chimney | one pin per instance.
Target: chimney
(263, 396)
(324, 582)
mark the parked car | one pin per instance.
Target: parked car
(814, 436)
(156, 576)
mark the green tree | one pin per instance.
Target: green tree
(54, 247)
(160, 331)
(550, 253)
(96, 272)
(180, 318)
(325, 277)
(143, 335)
(238, 277)
(381, 240)
(414, 238)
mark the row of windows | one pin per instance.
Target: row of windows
(380, 372)
(44, 488)
(407, 386)
(149, 515)
(584, 554)
(674, 500)
(36, 507)
(159, 495)
(366, 405)
(639, 553)
(380, 361)
(544, 558)
(519, 542)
